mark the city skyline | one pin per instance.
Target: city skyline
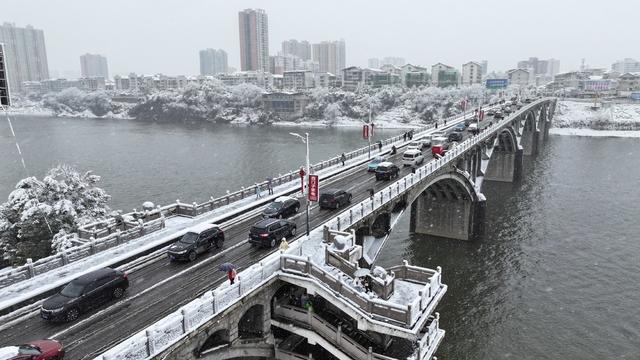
(219, 29)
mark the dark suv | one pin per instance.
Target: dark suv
(282, 207)
(455, 136)
(197, 240)
(86, 292)
(334, 198)
(269, 232)
(387, 171)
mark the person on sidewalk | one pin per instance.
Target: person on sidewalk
(379, 145)
(258, 195)
(231, 274)
(270, 185)
(284, 245)
(343, 158)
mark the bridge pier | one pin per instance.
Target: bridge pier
(505, 166)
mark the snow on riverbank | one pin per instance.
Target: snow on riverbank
(580, 115)
(396, 118)
(595, 133)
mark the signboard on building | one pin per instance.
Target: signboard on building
(497, 83)
(4, 79)
(635, 95)
(313, 187)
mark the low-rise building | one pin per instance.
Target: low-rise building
(298, 80)
(354, 77)
(326, 79)
(411, 75)
(519, 77)
(471, 73)
(287, 105)
(629, 82)
(444, 75)
(259, 78)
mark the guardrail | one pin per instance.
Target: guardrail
(163, 333)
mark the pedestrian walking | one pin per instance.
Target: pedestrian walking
(371, 192)
(436, 124)
(404, 137)
(379, 145)
(343, 158)
(445, 121)
(284, 245)
(231, 275)
(411, 135)
(258, 195)
(413, 168)
(270, 185)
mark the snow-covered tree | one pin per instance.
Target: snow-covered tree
(37, 210)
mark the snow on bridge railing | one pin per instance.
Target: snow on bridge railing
(165, 332)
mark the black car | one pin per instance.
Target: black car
(498, 115)
(455, 136)
(282, 207)
(269, 232)
(197, 240)
(387, 171)
(84, 293)
(490, 112)
(334, 198)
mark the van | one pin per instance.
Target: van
(412, 157)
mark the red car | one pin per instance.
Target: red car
(34, 350)
(439, 145)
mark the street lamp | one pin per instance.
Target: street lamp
(305, 139)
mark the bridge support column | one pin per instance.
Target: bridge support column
(447, 218)
(530, 142)
(505, 166)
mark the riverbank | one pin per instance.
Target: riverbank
(610, 117)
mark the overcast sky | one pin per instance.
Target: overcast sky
(152, 36)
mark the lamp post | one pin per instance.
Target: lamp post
(305, 139)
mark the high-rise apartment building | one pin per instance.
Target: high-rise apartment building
(373, 63)
(627, 65)
(330, 56)
(254, 40)
(301, 49)
(213, 62)
(4, 83)
(25, 54)
(92, 65)
(393, 60)
(485, 65)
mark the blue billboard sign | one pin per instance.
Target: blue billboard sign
(635, 95)
(497, 83)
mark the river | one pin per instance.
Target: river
(555, 276)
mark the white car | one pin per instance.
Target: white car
(438, 134)
(415, 145)
(412, 157)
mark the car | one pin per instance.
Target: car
(460, 127)
(334, 198)
(426, 140)
(282, 207)
(386, 171)
(490, 112)
(415, 145)
(455, 136)
(412, 157)
(83, 293)
(269, 232)
(528, 100)
(439, 146)
(46, 349)
(507, 109)
(436, 135)
(195, 241)
(468, 121)
(498, 115)
(373, 164)
(473, 129)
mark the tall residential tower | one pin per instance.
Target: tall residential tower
(331, 56)
(213, 62)
(93, 65)
(254, 40)
(25, 54)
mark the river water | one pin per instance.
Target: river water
(555, 276)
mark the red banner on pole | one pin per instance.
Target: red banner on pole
(365, 132)
(302, 174)
(313, 187)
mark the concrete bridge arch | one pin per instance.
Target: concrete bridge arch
(448, 206)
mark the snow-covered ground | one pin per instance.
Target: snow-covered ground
(397, 118)
(613, 119)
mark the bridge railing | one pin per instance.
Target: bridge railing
(428, 339)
